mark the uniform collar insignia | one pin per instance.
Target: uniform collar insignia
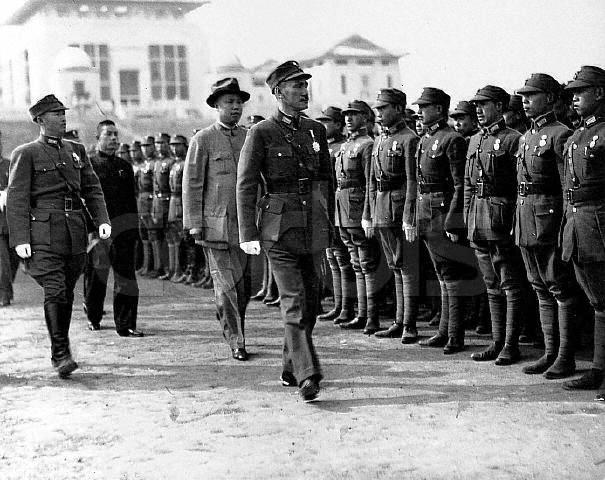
(289, 120)
(435, 126)
(590, 121)
(395, 128)
(495, 127)
(54, 141)
(544, 119)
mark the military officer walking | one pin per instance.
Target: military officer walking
(337, 255)
(440, 159)
(210, 212)
(391, 186)
(352, 170)
(490, 191)
(117, 253)
(583, 231)
(289, 154)
(538, 218)
(48, 180)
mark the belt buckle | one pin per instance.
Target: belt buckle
(68, 204)
(523, 189)
(380, 185)
(480, 189)
(569, 195)
(304, 186)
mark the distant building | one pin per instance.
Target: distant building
(125, 57)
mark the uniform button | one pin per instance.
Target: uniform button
(574, 209)
(386, 217)
(533, 234)
(522, 202)
(551, 211)
(67, 214)
(304, 202)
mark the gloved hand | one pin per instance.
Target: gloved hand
(104, 231)
(410, 232)
(24, 250)
(2, 200)
(251, 248)
(367, 228)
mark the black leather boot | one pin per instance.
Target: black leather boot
(58, 318)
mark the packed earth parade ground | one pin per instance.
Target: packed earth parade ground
(175, 405)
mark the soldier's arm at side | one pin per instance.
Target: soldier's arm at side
(456, 153)
(18, 196)
(559, 149)
(90, 189)
(248, 178)
(194, 176)
(411, 193)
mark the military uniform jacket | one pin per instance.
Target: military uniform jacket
(291, 158)
(4, 163)
(392, 177)
(35, 184)
(490, 183)
(145, 187)
(209, 177)
(117, 182)
(334, 145)
(540, 168)
(161, 187)
(352, 169)
(583, 232)
(440, 160)
(175, 209)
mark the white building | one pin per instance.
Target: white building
(126, 57)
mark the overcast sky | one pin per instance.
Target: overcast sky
(457, 45)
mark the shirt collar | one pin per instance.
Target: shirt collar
(226, 128)
(358, 133)
(494, 127)
(435, 126)
(52, 141)
(288, 120)
(542, 120)
(393, 129)
(592, 120)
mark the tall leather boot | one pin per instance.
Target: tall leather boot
(336, 288)
(410, 312)
(362, 305)
(145, 268)
(57, 323)
(158, 268)
(547, 305)
(349, 295)
(178, 271)
(594, 378)
(396, 328)
(440, 339)
(510, 353)
(565, 363)
(171, 258)
(497, 307)
(455, 327)
(373, 322)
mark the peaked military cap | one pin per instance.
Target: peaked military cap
(162, 137)
(331, 113)
(491, 92)
(587, 76)
(289, 70)
(148, 140)
(71, 134)
(46, 104)
(515, 103)
(464, 107)
(540, 83)
(136, 145)
(176, 139)
(253, 119)
(224, 86)
(124, 148)
(389, 96)
(410, 114)
(358, 106)
(431, 95)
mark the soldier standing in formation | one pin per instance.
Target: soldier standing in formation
(391, 187)
(352, 170)
(343, 277)
(489, 202)
(210, 211)
(145, 202)
(440, 162)
(583, 232)
(161, 201)
(118, 252)
(48, 180)
(289, 154)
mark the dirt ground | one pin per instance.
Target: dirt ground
(174, 405)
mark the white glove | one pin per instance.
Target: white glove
(367, 228)
(410, 231)
(2, 200)
(251, 248)
(104, 231)
(24, 250)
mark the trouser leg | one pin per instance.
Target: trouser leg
(336, 286)
(126, 288)
(95, 280)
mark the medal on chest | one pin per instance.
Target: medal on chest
(435, 145)
(594, 141)
(77, 161)
(315, 143)
(543, 140)
(497, 144)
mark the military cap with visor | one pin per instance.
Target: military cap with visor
(358, 106)
(331, 113)
(464, 107)
(433, 96)
(223, 87)
(46, 104)
(492, 93)
(587, 76)
(176, 139)
(540, 83)
(289, 70)
(390, 96)
(515, 103)
(124, 148)
(147, 141)
(162, 137)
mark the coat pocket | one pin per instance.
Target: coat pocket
(270, 210)
(39, 228)
(356, 200)
(548, 220)
(501, 216)
(215, 229)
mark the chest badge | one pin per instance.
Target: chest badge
(435, 145)
(543, 140)
(594, 141)
(76, 158)
(394, 146)
(497, 144)
(315, 144)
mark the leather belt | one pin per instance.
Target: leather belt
(342, 184)
(165, 196)
(531, 188)
(424, 187)
(68, 204)
(384, 185)
(583, 194)
(302, 187)
(484, 190)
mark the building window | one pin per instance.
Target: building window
(386, 63)
(340, 61)
(99, 55)
(169, 72)
(365, 61)
(365, 81)
(258, 82)
(389, 81)
(343, 84)
(129, 87)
